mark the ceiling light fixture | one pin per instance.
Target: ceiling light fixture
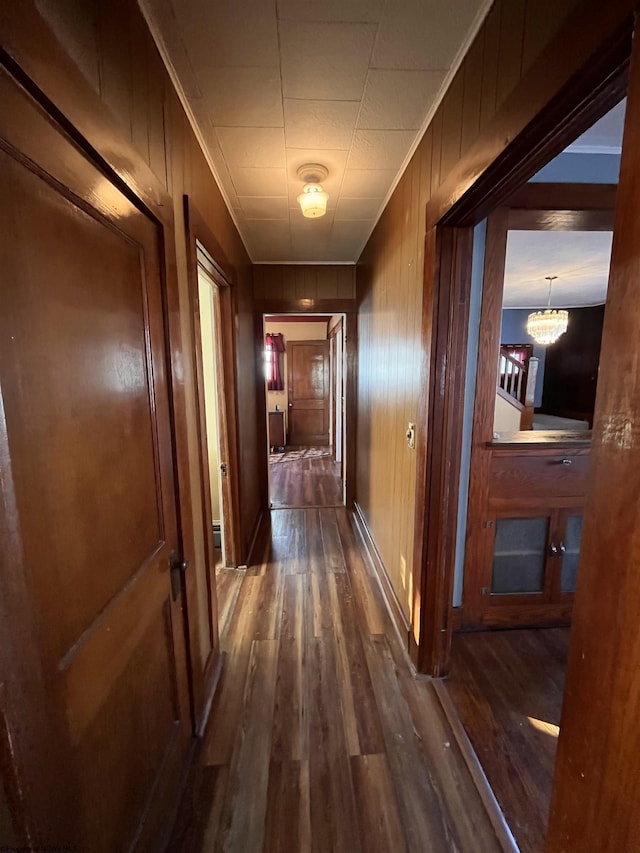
(545, 327)
(313, 199)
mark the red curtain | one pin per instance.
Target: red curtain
(274, 346)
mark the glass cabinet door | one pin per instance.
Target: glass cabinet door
(520, 555)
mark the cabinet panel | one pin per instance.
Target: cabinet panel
(571, 553)
(520, 554)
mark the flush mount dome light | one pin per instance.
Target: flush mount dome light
(313, 199)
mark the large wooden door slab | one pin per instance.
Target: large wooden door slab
(88, 493)
(308, 377)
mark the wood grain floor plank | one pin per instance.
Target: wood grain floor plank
(333, 811)
(321, 737)
(377, 806)
(242, 822)
(358, 691)
(291, 712)
(332, 545)
(227, 704)
(507, 687)
(305, 483)
(420, 802)
(288, 824)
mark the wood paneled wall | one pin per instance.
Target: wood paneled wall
(393, 292)
(124, 104)
(287, 282)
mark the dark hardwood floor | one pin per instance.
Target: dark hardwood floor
(321, 737)
(507, 688)
(304, 482)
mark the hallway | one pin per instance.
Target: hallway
(320, 737)
(306, 477)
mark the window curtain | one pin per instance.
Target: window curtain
(274, 347)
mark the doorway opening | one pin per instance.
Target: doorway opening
(525, 446)
(306, 378)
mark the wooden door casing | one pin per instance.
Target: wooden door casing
(308, 378)
(88, 498)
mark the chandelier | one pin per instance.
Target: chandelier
(313, 199)
(545, 327)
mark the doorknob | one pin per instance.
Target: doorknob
(290, 405)
(223, 469)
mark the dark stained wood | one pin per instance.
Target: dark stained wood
(479, 539)
(596, 793)
(558, 196)
(90, 495)
(512, 16)
(304, 482)
(565, 89)
(543, 473)
(304, 283)
(330, 741)
(571, 366)
(507, 689)
(541, 438)
(439, 511)
(308, 393)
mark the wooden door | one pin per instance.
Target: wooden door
(308, 376)
(93, 671)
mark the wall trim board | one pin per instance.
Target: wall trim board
(398, 618)
(500, 826)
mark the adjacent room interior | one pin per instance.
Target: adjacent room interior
(305, 399)
(524, 481)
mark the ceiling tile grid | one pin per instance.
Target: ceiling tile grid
(275, 84)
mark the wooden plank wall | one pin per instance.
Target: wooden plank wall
(109, 43)
(287, 282)
(390, 274)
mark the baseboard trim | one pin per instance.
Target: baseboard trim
(496, 817)
(400, 621)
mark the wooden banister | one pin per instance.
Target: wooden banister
(517, 380)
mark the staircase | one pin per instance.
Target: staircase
(515, 390)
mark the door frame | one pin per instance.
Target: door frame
(569, 90)
(198, 234)
(348, 309)
(337, 385)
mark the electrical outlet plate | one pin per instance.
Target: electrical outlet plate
(411, 435)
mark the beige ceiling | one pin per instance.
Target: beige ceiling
(274, 84)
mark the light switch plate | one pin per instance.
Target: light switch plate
(411, 435)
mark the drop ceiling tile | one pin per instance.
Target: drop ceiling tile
(219, 33)
(358, 208)
(259, 182)
(367, 183)
(243, 97)
(265, 208)
(252, 146)
(398, 100)
(352, 11)
(422, 34)
(380, 149)
(327, 61)
(299, 222)
(319, 124)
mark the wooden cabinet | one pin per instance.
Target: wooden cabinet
(523, 534)
(533, 568)
(277, 439)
